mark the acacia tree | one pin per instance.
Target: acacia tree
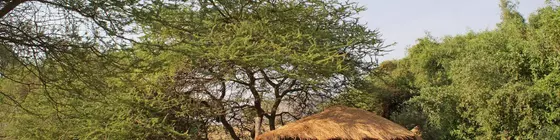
(266, 59)
(239, 59)
(36, 35)
(65, 71)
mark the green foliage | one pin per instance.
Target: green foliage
(497, 84)
(203, 63)
(246, 58)
(127, 107)
(94, 84)
(320, 38)
(391, 87)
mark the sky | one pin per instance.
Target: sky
(404, 21)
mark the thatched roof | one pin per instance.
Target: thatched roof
(340, 123)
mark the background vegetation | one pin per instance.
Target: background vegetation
(204, 69)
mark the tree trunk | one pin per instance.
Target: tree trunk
(272, 117)
(228, 127)
(257, 127)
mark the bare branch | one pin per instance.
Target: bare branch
(289, 89)
(18, 104)
(240, 82)
(223, 90)
(267, 79)
(9, 7)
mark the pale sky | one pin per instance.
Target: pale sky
(404, 21)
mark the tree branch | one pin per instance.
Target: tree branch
(227, 18)
(18, 104)
(267, 79)
(9, 7)
(240, 82)
(289, 89)
(254, 92)
(223, 90)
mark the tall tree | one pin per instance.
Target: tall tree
(66, 72)
(36, 34)
(266, 59)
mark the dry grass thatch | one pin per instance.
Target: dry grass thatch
(340, 123)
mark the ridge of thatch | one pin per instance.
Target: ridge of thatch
(340, 123)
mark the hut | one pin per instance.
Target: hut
(341, 123)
